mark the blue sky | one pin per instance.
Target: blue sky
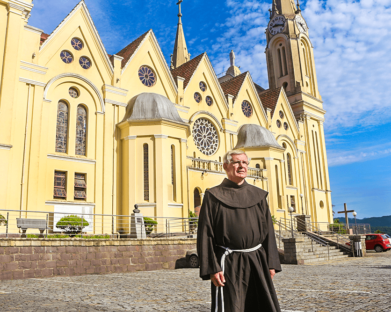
(353, 63)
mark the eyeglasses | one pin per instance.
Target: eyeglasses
(242, 163)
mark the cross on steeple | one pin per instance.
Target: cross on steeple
(180, 54)
(179, 11)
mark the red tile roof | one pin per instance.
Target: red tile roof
(269, 98)
(187, 69)
(129, 50)
(233, 85)
(44, 37)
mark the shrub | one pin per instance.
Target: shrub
(72, 224)
(193, 223)
(274, 219)
(3, 220)
(149, 225)
(378, 231)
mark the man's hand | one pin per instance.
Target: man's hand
(218, 279)
(272, 273)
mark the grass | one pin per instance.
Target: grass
(67, 236)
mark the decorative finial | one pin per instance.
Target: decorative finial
(136, 210)
(179, 11)
(232, 58)
(298, 7)
(172, 61)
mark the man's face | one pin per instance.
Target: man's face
(237, 168)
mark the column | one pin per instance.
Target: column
(162, 170)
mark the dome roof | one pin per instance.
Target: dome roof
(255, 136)
(151, 106)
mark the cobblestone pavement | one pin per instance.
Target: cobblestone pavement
(355, 284)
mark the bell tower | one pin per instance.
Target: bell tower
(289, 52)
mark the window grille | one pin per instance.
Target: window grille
(62, 127)
(81, 131)
(60, 182)
(80, 186)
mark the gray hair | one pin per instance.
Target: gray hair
(228, 156)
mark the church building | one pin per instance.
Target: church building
(82, 131)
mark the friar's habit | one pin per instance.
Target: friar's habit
(238, 217)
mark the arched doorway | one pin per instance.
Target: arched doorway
(197, 201)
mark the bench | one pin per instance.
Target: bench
(25, 224)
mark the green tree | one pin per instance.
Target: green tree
(149, 225)
(3, 220)
(72, 224)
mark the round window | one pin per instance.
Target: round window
(197, 97)
(85, 62)
(205, 136)
(209, 101)
(278, 123)
(77, 44)
(73, 93)
(202, 86)
(281, 114)
(286, 127)
(66, 57)
(247, 109)
(147, 76)
(321, 204)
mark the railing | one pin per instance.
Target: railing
(216, 166)
(124, 226)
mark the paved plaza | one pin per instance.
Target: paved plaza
(355, 284)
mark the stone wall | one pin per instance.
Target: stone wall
(33, 258)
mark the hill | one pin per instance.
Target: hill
(374, 221)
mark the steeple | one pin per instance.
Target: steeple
(233, 70)
(180, 54)
(285, 7)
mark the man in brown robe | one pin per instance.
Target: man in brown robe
(236, 243)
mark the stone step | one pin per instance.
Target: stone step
(323, 259)
(314, 256)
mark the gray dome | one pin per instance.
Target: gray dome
(151, 106)
(255, 136)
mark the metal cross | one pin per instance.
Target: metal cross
(345, 211)
(179, 7)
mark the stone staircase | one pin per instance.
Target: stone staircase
(303, 250)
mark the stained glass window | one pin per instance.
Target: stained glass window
(85, 62)
(147, 76)
(205, 136)
(73, 93)
(209, 101)
(278, 124)
(197, 97)
(59, 185)
(247, 109)
(289, 161)
(202, 86)
(77, 44)
(80, 186)
(81, 130)
(146, 173)
(62, 127)
(281, 114)
(66, 57)
(286, 126)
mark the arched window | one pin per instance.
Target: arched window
(278, 188)
(173, 172)
(62, 127)
(284, 61)
(258, 166)
(146, 172)
(280, 62)
(197, 201)
(81, 130)
(289, 165)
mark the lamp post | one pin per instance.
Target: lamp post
(302, 207)
(291, 210)
(355, 220)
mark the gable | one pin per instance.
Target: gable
(187, 69)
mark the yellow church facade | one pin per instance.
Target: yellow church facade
(87, 132)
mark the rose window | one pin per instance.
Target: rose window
(209, 101)
(202, 86)
(66, 57)
(73, 93)
(247, 109)
(85, 62)
(77, 44)
(205, 136)
(197, 97)
(147, 76)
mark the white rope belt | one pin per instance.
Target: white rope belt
(222, 264)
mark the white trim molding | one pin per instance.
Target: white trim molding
(33, 29)
(229, 131)
(182, 108)
(32, 82)
(318, 190)
(115, 103)
(281, 210)
(208, 114)
(184, 140)
(160, 136)
(144, 205)
(77, 76)
(35, 65)
(115, 90)
(230, 122)
(291, 187)
(130, 137)
(5, 147)
(175, 205)
(33, 70)
(55, 202)
(71, 158)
